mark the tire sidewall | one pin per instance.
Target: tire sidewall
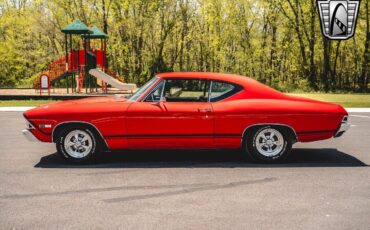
(61, 149)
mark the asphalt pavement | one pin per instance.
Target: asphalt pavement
(324, 185)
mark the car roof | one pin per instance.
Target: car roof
(254, 87)
(233, 78)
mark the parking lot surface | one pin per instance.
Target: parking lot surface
(324, 185)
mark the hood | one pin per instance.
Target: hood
(89, 105)
(90, 100)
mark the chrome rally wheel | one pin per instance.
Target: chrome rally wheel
(77, 144)
(268, 143)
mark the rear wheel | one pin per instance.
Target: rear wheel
(268, 144)
(77, 144)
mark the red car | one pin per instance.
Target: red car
(187, 111)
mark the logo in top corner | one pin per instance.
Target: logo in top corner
(338, 18)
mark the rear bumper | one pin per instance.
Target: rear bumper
(344, 126)
(29, 135)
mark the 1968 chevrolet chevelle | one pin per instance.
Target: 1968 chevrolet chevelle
(187, 111)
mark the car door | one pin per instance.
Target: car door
(229, 122)
(175, 114)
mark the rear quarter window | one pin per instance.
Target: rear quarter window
(222, 90)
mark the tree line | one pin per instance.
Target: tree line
(276, 42)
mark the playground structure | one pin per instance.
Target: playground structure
(83, 68)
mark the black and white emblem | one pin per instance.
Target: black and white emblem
(338, 18)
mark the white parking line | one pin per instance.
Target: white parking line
(15, 109)
(358, 110)
(359, 116)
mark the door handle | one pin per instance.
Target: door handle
(205, 110)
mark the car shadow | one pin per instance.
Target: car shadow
(301, 157)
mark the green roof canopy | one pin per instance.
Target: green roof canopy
(96, 33)
(76, 27)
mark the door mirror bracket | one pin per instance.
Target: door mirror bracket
(160, 102)
(163, 99)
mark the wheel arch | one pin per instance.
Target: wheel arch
(289, 129)
(60, 126)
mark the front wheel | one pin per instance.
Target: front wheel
(268, 144)
(77, 144)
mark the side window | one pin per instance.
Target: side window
(155, 94)
(186, 90)
(221, 90)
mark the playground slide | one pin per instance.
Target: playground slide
(112, 81)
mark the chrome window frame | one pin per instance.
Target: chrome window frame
(164, 86)
(210, 90)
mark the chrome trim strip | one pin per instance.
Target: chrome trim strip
(258, 124)
(210, 91)
(173, 135)
(164, 86)
(83, 122)
(29, 135)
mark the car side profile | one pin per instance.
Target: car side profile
(187, 110)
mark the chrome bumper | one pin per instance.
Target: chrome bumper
(344, 126)
(29, 135)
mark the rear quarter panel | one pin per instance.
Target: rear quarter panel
(310, 120)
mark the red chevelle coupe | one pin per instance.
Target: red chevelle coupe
(187, 111)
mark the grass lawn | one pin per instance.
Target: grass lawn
(346, 100)
(9, 103)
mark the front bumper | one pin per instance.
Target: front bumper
(29, 135)
(344, 126)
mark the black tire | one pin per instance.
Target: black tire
(262, 154)
(93, 152)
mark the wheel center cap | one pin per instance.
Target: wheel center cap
(78, 144)
(269, 142)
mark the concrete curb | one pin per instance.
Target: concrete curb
(25, 108)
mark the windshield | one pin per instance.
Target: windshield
(138, 93)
